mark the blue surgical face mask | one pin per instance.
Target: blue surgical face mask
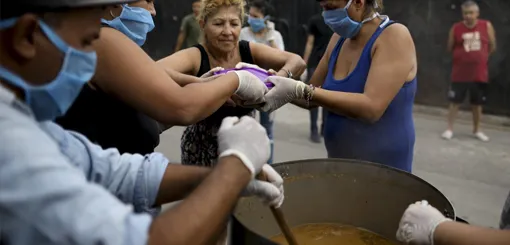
(257, 24)
(134, 22)
(340, 22)
(52, 100)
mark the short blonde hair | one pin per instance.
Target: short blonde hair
(210, 7)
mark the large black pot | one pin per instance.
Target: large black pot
(361, 194)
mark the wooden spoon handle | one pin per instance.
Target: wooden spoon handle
(280, 218)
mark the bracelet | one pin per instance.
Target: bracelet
(308, 94)
(289, 74)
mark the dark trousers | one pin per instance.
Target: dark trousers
(314, 117)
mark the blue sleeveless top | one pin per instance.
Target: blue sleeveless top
(389, 141)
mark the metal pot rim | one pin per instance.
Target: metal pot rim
(377, 165)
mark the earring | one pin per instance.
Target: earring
(111, 13)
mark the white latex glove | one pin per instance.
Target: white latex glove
(241, 65)
(285, 90)
(250, 87)
(418, 224)
(246, 139)
(270, 191)
(212, 71)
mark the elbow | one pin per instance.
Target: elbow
(185, 117)
(372, 114)
(182, 114)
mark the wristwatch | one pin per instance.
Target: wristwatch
(289, 73)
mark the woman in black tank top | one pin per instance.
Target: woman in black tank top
(130, 95)
(221, 47)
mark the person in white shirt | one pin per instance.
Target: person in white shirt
(261, 30)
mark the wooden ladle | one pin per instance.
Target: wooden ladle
(280, 218)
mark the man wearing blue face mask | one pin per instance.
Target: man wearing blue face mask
(56, 187)
(367, 82)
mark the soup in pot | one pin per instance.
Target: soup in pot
(333, 234)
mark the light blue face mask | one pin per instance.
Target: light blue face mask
(340, 22)
(134, 22)
(257, 24)
(54, 99)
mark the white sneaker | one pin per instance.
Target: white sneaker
(447, 135)
(481, 136)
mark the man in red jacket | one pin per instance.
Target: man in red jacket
(471, 41)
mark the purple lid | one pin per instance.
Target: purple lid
(260, 74)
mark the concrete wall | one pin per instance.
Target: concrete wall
(428, 20)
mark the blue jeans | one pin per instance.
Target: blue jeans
(266, 120)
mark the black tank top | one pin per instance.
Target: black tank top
(110, 123)
(205, 66)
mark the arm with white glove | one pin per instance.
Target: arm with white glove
(286, 90)
(250, 87)
(423, 224)
(244, 149)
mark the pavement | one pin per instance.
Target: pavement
(474, 175)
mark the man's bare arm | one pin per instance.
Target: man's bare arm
(451, 41)
(308, 48)
(492, 38)
(180, 41)
(201, 217)
(178, 181)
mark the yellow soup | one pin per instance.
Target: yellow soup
(333, 234)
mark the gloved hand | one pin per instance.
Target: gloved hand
(270, 191)
(285, 90)
(418, 224)
(246, 139)
(212, 71)
(241, 65)
(250, 88)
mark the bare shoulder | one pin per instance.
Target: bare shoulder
(185, 61)
(489, 24)
(113, 41)
(396, 31)
(395, 37)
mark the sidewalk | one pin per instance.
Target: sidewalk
(463, 116)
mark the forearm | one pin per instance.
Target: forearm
(295, 65)
(182, 79)
(179, 42)
(206, 210)
(352, 105)
(308, 52)
(492, 48)
(200, 100)
(304, 105)
(179, 181)
(453, 233)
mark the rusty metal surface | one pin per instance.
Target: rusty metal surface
(362, 194)
(428, 20)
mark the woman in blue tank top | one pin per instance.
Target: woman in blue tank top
(366, 80)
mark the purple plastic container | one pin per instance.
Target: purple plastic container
(262, 75)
